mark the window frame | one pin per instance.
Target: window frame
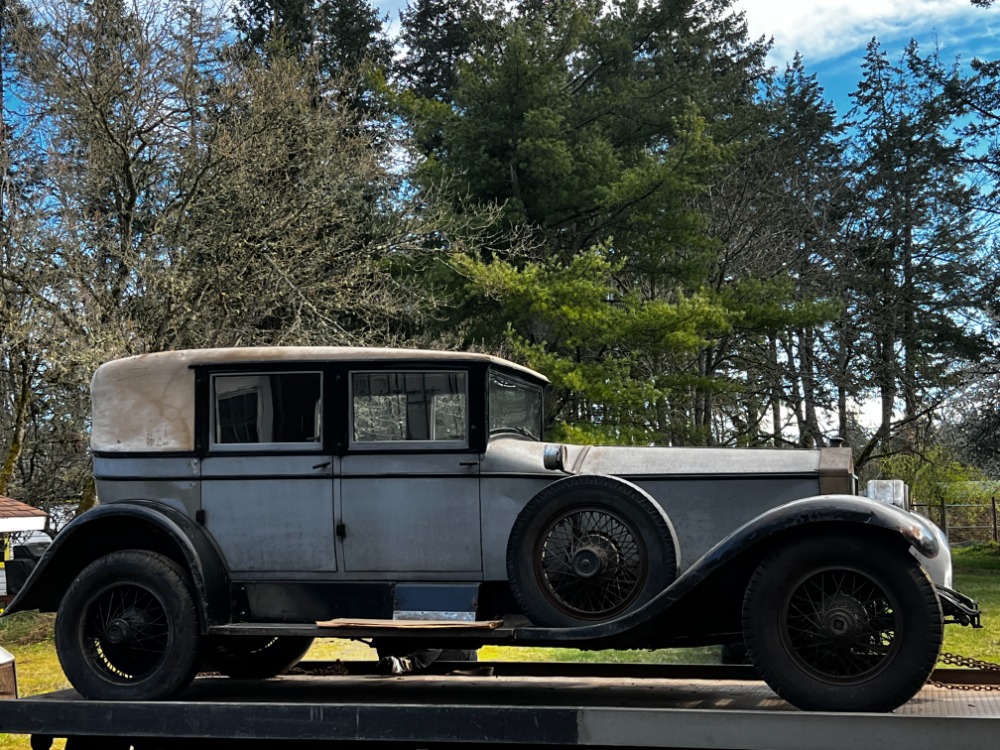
(360, 446)
(527, 384)
(306, 446)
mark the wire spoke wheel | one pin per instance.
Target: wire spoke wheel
(841, 624)
(589, 548)
(591, 562)
(125, 632)
(127, 628)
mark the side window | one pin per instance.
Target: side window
(401, 407)
(515, 407)
(272, 409)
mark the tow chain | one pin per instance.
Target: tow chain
(966, 661)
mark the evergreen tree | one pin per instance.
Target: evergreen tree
(615, 356)
(597, 126)
(770, 215)
(340, 39)
(260, 21)
(917, 244)
(437, 36)
(339, 34)
(980, 95)
(588, 124)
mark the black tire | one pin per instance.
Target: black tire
(253, 657)
(842, 624)
(127, 628)
(587, 549)
(733, 653)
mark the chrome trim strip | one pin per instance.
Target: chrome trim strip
(416, 614)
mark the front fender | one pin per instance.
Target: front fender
(787, 521)
(132, 524)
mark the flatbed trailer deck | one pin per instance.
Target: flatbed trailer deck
(670, 706)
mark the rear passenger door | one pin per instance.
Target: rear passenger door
(267, 482)
(409, 483)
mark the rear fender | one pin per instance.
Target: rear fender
(785, 523)
(132, 524)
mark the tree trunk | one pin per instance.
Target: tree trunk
(776, 391)
(909, 331)
(88, 498)
(812, 436)
(842, 380)
(20, 429)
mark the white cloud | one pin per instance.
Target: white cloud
(821, 31)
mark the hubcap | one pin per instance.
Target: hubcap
(844, 617)
(587, 563)
(591, 563)
(118, 631)
(840, 624)
(125, 632)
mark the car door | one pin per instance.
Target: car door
(409, 482)
(267, 483)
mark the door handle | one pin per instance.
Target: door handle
(322, 466)
(468, 463)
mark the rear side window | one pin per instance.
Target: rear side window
(397, 409)
(267, 409)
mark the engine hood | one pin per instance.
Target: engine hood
(522, 456)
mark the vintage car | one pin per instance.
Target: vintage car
(249, 497)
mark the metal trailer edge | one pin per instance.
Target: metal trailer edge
(667, 706)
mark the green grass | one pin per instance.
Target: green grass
(977, 558)
(332, 649)
(977, 573)
(707, 655)
(26, 628)
(28, 636)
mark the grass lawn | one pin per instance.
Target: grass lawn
(977, 573)
(28, 637)
(331, 649)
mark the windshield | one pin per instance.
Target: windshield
(515, 406)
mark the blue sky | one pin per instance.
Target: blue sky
(832, 35)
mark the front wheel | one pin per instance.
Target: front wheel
(127, 628)
(840, 624)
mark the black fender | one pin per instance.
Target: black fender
(786, 522)
(130, 524)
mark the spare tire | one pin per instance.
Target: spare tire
(587, 549)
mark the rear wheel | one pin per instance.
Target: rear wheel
(252, 657)
(127, 628)
(840, 624)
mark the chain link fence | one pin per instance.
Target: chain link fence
(964, 522)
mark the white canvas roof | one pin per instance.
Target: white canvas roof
(146, 403)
